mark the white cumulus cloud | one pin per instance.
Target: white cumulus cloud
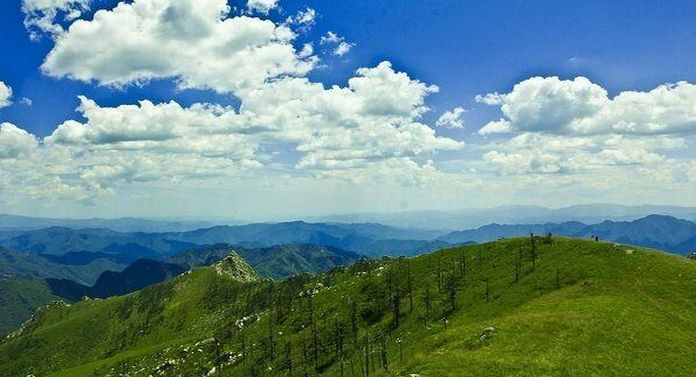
(452, 118)
(40, 15)
(262, 6)
(195, 42)
(341, 47)
(15, 142)
(304, 19)
(579, 106)
(367, 131)
(5, 95)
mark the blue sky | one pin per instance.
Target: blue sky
(466, 48)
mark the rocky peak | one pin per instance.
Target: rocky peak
(234, 266)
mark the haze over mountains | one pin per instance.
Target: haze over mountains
(439, 220)
(41, 265)
(656, 231)
(126, 224)
(476, 217)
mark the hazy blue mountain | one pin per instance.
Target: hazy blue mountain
(9, 234)
(126, 224)
(656, 231)
(28, 264)
(277, 262)
(475, 217)
(73, 245)
(82, 255)
(366, 239)
(142, 273)
(300, 232)
(492, 232)
(127, 246)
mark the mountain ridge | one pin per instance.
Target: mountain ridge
(656, 231)
(477, 309)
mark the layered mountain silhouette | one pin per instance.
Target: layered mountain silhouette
(656, 231)
(142, 273)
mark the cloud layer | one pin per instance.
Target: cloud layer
(287, 132)
(368, 131)
(564, 128)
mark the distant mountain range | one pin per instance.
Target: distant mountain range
(40, 265)
(475, 217)
(82, 255)
(142, 273)
(439, 220)
(359, 238)
(30, 264)
(276, 262)
(126, 224)
(656, 231)
(82, 246)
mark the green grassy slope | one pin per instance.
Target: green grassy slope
(19, 298)
(578, 309)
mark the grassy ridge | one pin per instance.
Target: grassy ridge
(19, 298)
(578, 308)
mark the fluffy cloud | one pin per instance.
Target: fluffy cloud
(340, 46)
(163, 128)
(452, 118)
(580, 107)
(374, 118)
(262, 6)
(535, 153)
(15, 142)
(194, 42)
(572, 127)
(304, 19)
(40, 15)
(5, 95)
(500, 126)
(367, 131)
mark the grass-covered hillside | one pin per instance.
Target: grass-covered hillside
(515, 307)
(19, 298)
